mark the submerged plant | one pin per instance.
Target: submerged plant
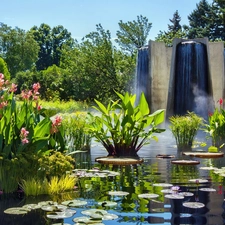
(122, 127)
(184, 129)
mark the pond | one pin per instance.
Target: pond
(154, 192)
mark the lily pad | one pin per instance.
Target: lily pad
(107, 204)
(86, 220)
(167, 191)
(174, 196)
(186, 194)
(207, 189)
(53, 208)
(199, 180)
(99, 214)
(146, 195)
(118, 193)
(17, 211)
(31, 206)
(60, 215)
(162, 185)
(74, 203)
(193, 205)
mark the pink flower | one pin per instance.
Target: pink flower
(24, 132)
(26, 94)
(13, 88)
(23, 135)
(56, 123)
(220, 101)
(36, 87)
(24, 141)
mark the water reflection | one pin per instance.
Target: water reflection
(151, 177)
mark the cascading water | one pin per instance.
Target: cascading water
(142, 76)
(191, 82)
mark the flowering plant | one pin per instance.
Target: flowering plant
(21, 125)
(216, 125)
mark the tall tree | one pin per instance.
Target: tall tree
(18, 48)
(218, 20)
(201, 21)
(50, 42)
(91, 64)
(133, 34)
(175, 26)
(175, 30)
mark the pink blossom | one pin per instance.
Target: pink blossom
(56, 123)
(26, 94)
(13, 88)
(220, 101)
(24, 132)
(36, 87)
(24, 141)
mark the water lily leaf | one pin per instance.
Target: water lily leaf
(186, 194)
(86, 220)
(148, 195)
(91, 212)
(54, 208)
(74, 203)
(193, 205)
(31, 206)
(60, 215)
(199, 180)
(107, 204)
(16, 211)
(167, 191)
(174, 196)
(162, 185)
(207, 189)
(118, 193)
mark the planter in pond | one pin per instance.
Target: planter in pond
(124, 127)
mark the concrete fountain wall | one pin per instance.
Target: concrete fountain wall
(161, 72)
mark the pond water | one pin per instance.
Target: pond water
(174, 194)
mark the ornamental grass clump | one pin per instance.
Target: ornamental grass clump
(124, 127)
(185, 128)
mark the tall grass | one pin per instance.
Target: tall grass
(184, 129)
(56, 185)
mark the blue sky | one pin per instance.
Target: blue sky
(81, 16)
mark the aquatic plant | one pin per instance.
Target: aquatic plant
(184, 129)
(215, 128)
(124, 127)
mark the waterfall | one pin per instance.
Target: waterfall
(142, 73)
(192, 86)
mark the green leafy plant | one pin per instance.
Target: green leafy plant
(215, 128)
(123, 127)
(185, 128)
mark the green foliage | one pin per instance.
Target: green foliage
(51, 42)
(201, 21)
(121, 126)
(56, 185)
(215, 128)
(54, 164)
(76, 136)
(184, 128)
(133, 34)
(174, 31)
(18, 49)
(4, 69)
